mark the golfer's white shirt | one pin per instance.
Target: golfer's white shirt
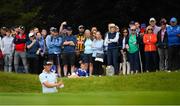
(49, 77)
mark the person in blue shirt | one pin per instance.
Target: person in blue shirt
(80, 72)
(173, 31)
(68, 57)
(53, 44)
(32, 48)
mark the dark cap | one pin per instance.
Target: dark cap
(69, 28)
(163, 21)
(48, 63)
(132, 22)
(54, 30)
(22, 28)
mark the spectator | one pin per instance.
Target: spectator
(88, 51)
(80, 72)
(152, 23)
(44, 33)
(111, 41)
(49, 80)
(93, 31)
(150, 49)
(80, 44)
(133, 50)
(33, 48)
(68, 57)
(53, 43)
(97, 47)
(132, 23)
(20, 49)
(137, 28)
(162, 44)
(123, 49)
(40, 39)
(2, 34)
(173, 31)
(7, 50)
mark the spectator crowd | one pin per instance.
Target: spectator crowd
(135, 49)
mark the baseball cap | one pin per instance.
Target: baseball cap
(69, 28)
(81, 26)
(173, 19)
(163, 21)
(48, 63)
(22, 28)
(54, 30)
(152, 19)
(31, 34)
(132, 22)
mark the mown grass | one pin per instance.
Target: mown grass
(147, 88)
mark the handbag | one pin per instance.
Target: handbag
(99, 57)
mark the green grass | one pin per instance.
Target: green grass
(148, 88)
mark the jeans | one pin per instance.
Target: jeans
(112, 58)
(163, 58)
(21, 55)
(8, 62)
(134, 61)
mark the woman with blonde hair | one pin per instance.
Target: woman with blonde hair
(150, 39)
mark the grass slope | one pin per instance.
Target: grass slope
(147, 88)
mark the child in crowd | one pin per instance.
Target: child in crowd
(80, 72)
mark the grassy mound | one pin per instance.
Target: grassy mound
(147, 88)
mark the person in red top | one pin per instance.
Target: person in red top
(150, 49)
(20, 49)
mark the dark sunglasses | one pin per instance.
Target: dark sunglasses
(150, 29)
(133, 30)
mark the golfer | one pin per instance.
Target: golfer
(49, 79)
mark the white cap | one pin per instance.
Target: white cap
(152, 19)
(31, 34)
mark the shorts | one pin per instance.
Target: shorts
(87, 58)
(68, 58)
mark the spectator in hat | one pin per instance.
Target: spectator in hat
(7, 50)
(162, 44)
(53, 43)
(111, 41)
(173, 32)
(20, 49)
(48, 79)
(33, 48)
(152, 22)
(68, 57)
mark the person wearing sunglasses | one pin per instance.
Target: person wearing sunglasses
(133, 51)
(150, 49)
(173, 31)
